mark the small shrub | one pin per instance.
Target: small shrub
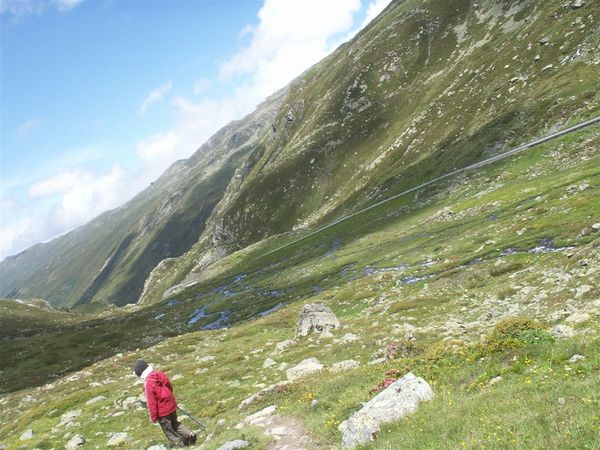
(505, 268)
(514, 333)
(506, 292)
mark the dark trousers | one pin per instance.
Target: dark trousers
(175, 431)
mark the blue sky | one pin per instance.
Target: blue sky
(99, 97)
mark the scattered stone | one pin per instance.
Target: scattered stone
(316, 318)
(158, 447)
(574, 188)
(314, 403)
(75, 442)
(307, 367)
(95, 400)
(131, 402)
(544, 40)
(176, 377)
(344, 366)
(563, 331)
(577, 4)
(28, 434)
(282, 346)
(398, 400)
(537, 58)
(349, 337)
(202, 359)
(578, 318)
(548, 67)
(259, 417)
(576, 358)
(269, 363)
(254, 398)
(232, 445)
(596, 227)
(70, 416)
(561, 401)
(580, 291)
(118, 439)
(377, 361)
(495, 380)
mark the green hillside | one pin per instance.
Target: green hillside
(485, 283)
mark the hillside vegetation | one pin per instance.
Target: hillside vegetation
(485, 284)
(426, 88)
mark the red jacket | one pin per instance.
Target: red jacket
(159, 395)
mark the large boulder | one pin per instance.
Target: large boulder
(307, 367)
(316, 318)
(75, 442)
(398, 400)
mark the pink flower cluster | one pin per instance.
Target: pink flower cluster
(391, 377)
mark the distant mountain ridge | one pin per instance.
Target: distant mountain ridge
(427, 87)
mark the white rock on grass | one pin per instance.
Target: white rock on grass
(316, 318)
(398, 400)
(578, 318)
(233, 445)
(28, 434)
(118, 440)
(260, 394)
(70, 416)
(576, 358)
(259, 417)
(75, 442)
(307, 367)
(344, 366)
(563, 331)
(202, 359)
(284, 345)
(269, 363)
(131, 402)
(95, 400)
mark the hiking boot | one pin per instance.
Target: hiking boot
(192, 438)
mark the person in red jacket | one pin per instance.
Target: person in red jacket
(162, 405)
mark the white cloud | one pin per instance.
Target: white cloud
(201, 85)
(21, 9)
(154, 96)
(66, 5)
(23, 130)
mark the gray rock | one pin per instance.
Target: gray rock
(577, 4)
(316, 318)
(95, 400)
(596, 227)
(75, 442)
(118, 440)
(232, 445)
(260, 394)
(69, 416)
(284, 345)
(307, 367)
(563, 331)
(576, 358)
(28, 434)
(269, 363)
(344, 366)
(398, 400)
(131, 402)
(578, 318)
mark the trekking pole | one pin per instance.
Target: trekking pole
(193, 418)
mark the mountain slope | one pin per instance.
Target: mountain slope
(427, 87)
(109, 259)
